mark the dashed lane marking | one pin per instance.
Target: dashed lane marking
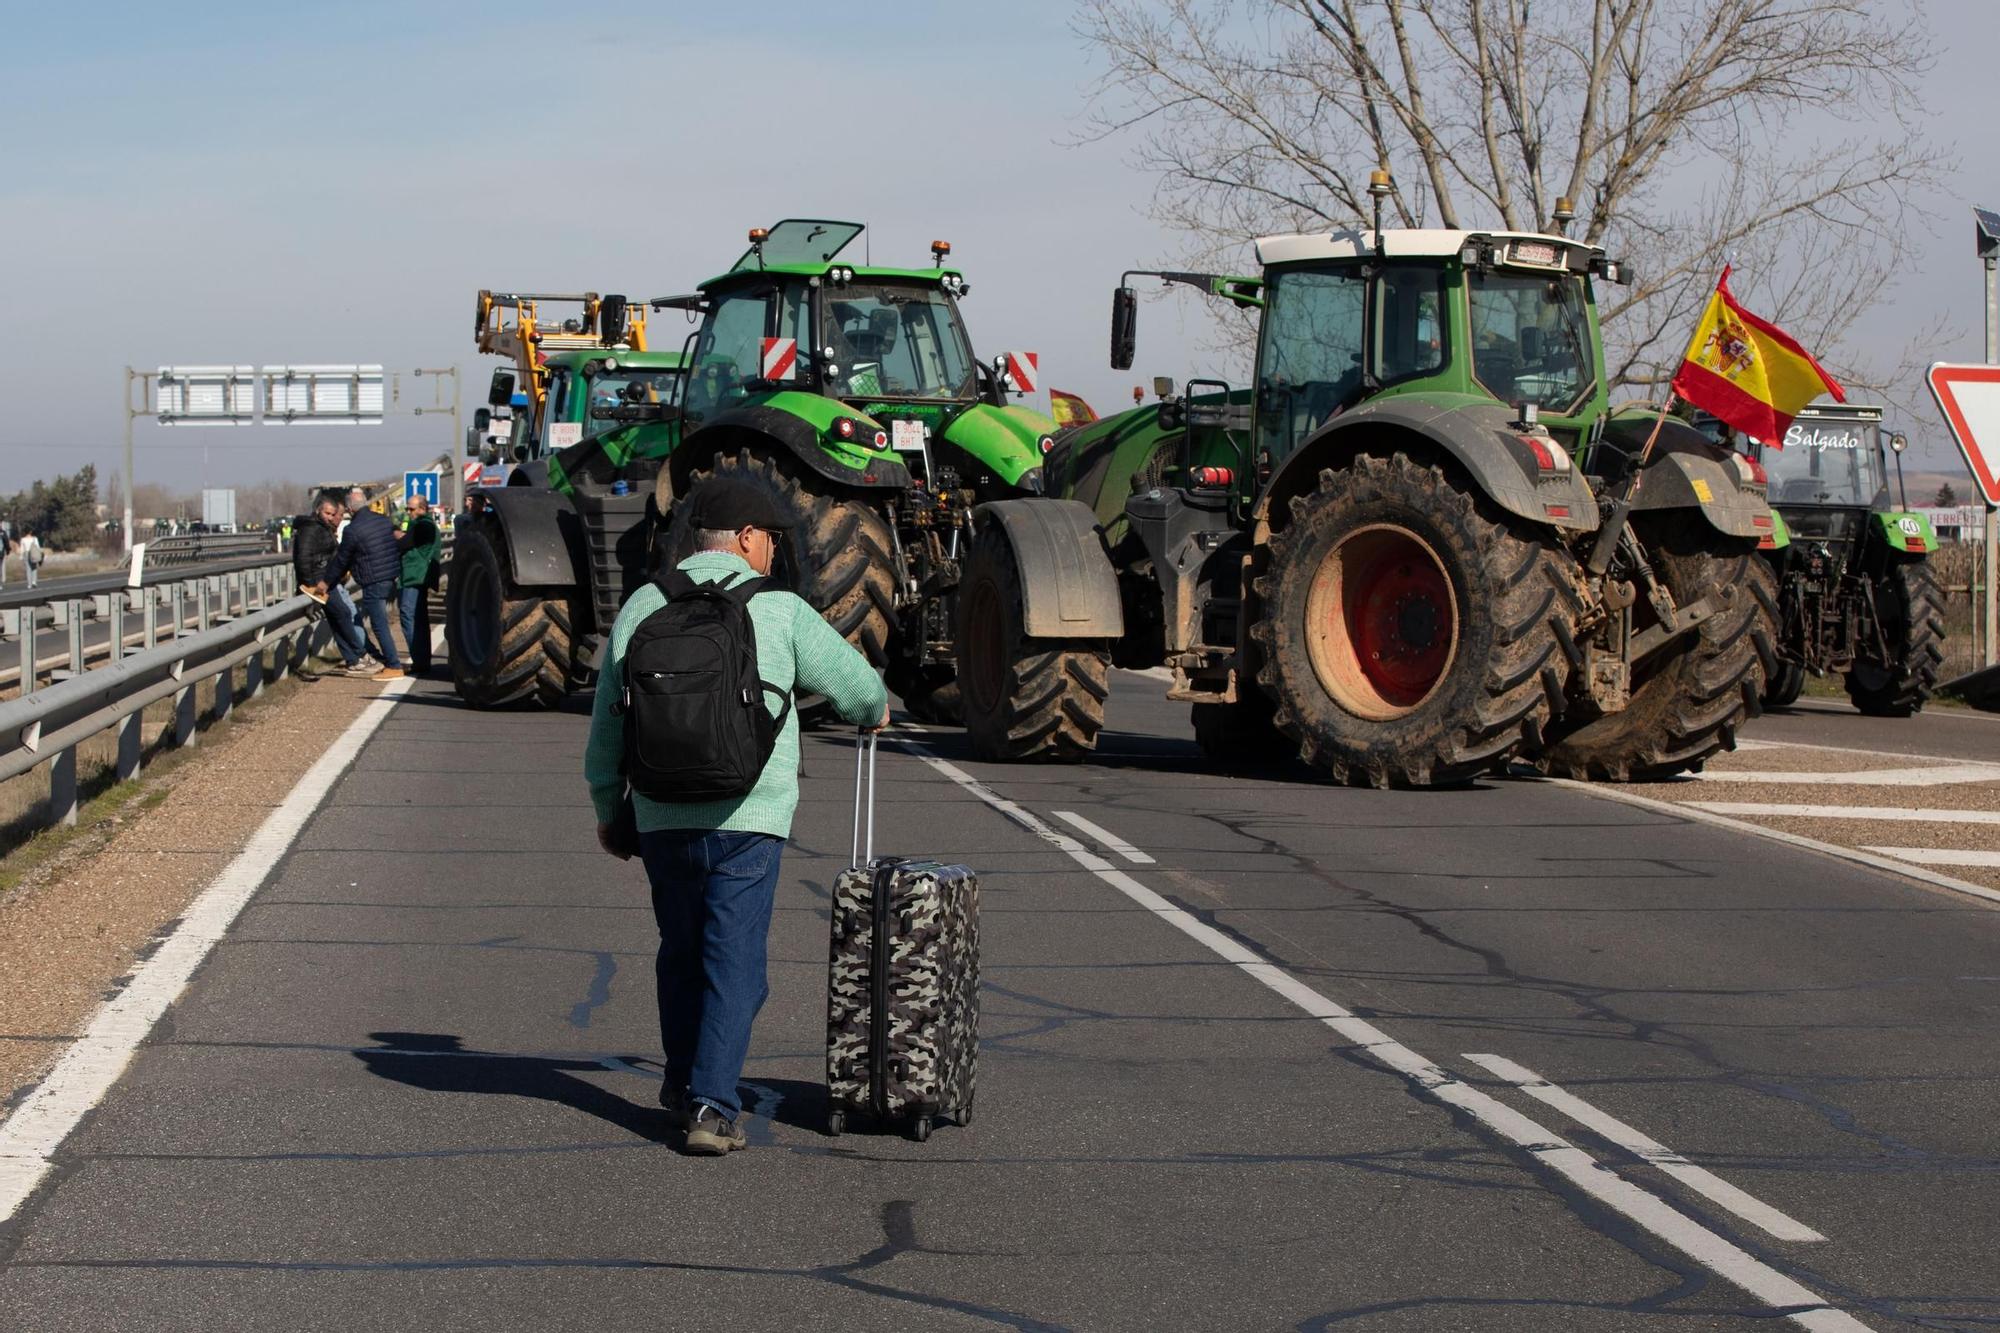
(1939, 856)
(1857, 812)
(30, 1136)
(1649, 1150)
(1104, 836)
(1929, 775)
(1646, 1210)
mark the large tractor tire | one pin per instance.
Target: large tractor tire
(507, 644)
(929, 694)
(1022, 698)
(1411, 635)
(1689, 698)
(836, 554)
(1911, 607)
(1783, 689)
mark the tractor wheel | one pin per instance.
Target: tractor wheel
(1783, 689)
(1022, 698)
(1689, 698)
(929, 694)
(836, 555)
(506, 643)
(1413, 636)
(1911, 608)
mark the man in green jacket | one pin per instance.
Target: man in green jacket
(713, 867)
(420, 545)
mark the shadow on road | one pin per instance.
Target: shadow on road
(437, 1062)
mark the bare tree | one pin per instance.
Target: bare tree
(1783, 135)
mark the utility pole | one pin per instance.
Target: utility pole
(453, 480)
(1992, 552)
(129, 415)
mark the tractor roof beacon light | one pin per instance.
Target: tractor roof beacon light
(939, 249)
(1564, 215)
(758, 235)
(1380, 186)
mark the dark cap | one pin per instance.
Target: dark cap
(730, 504)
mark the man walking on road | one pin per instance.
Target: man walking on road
(420, 545)
(368, 548)
(31, 557)
(713, 867)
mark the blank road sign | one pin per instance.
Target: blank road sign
(421, 483)
(1969, 397)
(206, 396)
(323, 395)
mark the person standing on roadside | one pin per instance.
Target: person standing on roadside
(312, 546)
(31, 556)
(420, 545)
(713, 867)
(367, 548)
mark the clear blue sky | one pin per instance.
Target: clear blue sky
(235, 183)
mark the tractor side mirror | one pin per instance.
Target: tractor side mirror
(615, 318)
(501, 391)
(475, 442)
(482, 420)
(1124, 327)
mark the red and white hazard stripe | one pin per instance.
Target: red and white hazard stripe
(1024, 371)
(472, 472)
(781, 358)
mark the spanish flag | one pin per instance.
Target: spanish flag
(1749, 373)
(1069, 410)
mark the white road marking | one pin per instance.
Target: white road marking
(1151, 673)
(1692, 810)
(1748, 1207)
(1105, 836)
(1799, 1304)
(1939, 856)
(1895, 812)
(1929, 775)
(31, 1135)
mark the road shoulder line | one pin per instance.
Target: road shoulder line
(1695, 812)
(30, 1137)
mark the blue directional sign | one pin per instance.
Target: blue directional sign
(424, 484)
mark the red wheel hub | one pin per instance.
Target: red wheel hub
(1399, 617)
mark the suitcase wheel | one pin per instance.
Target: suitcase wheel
(963, 1117)
(836, 1123)
(920, 1128)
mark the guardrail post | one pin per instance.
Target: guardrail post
(75, 638)
(30, 631)
(201, 605)
(152, 617)
(131, 727)
(62, 787)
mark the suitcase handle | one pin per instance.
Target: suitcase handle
(864, 745)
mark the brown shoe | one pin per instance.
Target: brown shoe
(711, 1135)
(388, 673)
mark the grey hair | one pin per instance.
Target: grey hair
(714, 539)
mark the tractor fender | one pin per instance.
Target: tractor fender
(787, 433)
(1068, 586)
(541, 536)
(1474, 434)
(1687, 479)
(1905, 534)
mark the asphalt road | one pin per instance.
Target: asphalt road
(1229, 1086)
(1941, 731)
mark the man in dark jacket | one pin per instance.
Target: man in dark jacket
(312, 546)
(368, 550)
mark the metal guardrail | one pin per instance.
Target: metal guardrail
(47, 725)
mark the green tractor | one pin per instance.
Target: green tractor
(851, 394)
(1856, 595)
(579, 384)
(1418, 544)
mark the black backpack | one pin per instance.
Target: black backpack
(696, 728)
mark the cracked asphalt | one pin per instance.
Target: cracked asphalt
(414, 1086)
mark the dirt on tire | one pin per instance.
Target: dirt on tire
(1687, 700)
(1022, 698)
(1515, 597)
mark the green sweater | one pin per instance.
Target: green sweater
(421, 545)
(796, 650)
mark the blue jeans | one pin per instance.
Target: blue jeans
(375, 606)
(413, 604)
(712, 895)
(347, 633)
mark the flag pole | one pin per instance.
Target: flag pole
(1620, 513)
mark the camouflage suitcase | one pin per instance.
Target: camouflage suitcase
(902, 1018)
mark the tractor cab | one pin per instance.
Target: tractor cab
(872, 363)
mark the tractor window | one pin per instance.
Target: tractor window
(1309, 358)
(608, 390)
(1826, 463)
(895, 342)
(728, 353)
(1531, 339)
(1409, 325)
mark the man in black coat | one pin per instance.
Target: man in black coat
(368, 550)
(312, 546)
